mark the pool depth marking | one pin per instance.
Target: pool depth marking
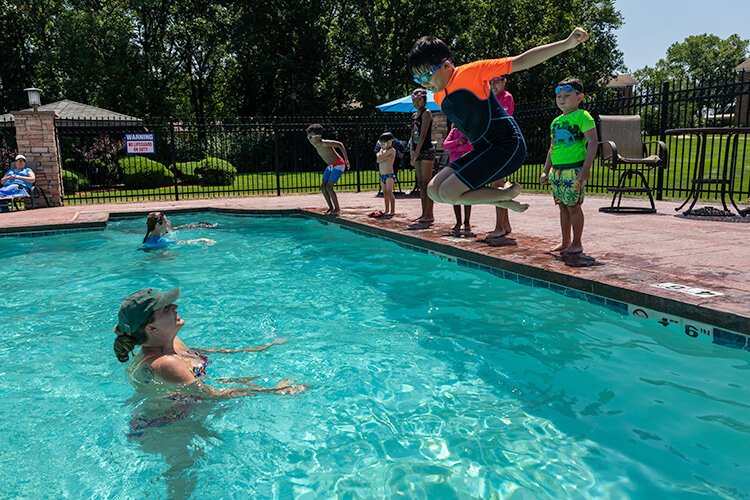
(695, 292)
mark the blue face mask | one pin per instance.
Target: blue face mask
(566, 88)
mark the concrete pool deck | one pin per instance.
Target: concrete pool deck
(628, 254)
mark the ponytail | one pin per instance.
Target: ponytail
(124, 345)
(126, 342)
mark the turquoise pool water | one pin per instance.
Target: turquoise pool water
(429, 380)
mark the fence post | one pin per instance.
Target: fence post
(663, 124)
(356, 157)
(173, 158)
(276, 158)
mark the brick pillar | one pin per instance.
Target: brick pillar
(439, 128)
(36, 138)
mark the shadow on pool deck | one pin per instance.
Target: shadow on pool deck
(625, 255)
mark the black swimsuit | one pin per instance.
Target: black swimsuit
(499, 147)
(428, 151)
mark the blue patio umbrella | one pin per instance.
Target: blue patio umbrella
(404, 105)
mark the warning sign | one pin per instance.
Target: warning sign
(140, 143)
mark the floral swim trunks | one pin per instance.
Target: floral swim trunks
(565, 187)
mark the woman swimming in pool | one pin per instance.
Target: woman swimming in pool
(165, 366)
(157, 226)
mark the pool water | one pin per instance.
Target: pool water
(428, 379)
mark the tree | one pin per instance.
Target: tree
(699, 58)
(27, 30)
(214, 58)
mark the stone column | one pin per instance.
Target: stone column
(36, 138)
(439, 128)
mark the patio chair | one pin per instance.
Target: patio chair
(621, 147)
(442, 159)
(33, 194)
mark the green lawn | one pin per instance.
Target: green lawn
(683, 156)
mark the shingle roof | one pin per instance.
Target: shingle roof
(744, 66)
(621, 81)
(76, 113)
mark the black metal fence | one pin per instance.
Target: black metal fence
(249, 156)
(272, 156)
(670, 105)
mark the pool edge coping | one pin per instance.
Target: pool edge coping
(619, 294)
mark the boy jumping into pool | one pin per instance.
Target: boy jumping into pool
(464, 95)
(570, 156)
(327, 150)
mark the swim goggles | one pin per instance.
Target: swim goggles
(427, 75)
(567, 88)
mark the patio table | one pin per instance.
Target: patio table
(724, 177)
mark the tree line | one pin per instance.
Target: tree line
(227, 58)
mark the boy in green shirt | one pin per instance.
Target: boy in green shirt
(570, 156)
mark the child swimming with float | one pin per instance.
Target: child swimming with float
(157, 226)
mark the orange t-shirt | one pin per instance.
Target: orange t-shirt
(469, 103)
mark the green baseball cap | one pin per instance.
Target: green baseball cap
(138, 306)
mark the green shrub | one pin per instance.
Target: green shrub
(216, 172)
(186, 171)
(70, 164)
(73, 182)
(143, 173)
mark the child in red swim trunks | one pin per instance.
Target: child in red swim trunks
(336, 165)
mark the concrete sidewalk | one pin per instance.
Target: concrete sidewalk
(633, 252)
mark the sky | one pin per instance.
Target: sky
(651, 26)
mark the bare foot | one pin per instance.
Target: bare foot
(328, 212)
(498, 233)
(292, 389)
(559, 248)
(335, 213)
(571, 250)
(513, 189)
(512, 205)
(286, 387)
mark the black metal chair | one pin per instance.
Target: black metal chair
(621, 146)
(33, 194)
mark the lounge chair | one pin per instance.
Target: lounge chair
(33, 193)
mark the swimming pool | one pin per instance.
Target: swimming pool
(429, 379)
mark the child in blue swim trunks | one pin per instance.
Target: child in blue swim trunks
(337, 164)
(568, 165)
(157, 226)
